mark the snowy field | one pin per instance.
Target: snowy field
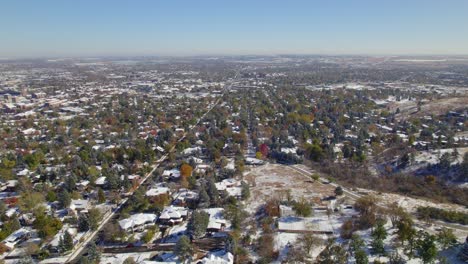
(274, 181)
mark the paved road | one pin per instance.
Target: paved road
(302, 169)
(80, 248)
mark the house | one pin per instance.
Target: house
(231, 186)
(217, 257)
(101, 181)
(55, 243)
(172, 174)
(80, 206)
(137, 222)
(17, 237)
(157, 191)
(185, 197)
(216, 222)
(202, 168)
(82, 185)
(172, 215)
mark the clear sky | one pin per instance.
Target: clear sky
(193, 27)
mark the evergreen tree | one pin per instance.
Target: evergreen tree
(94, 255)
(183, 249)
(198, 223)
(446, 238)
(361, 257)
(426, 248)
(245, 192)
(356, 243)
(67, 241)
(101, 196)
(204, 199)
(83, 223)
(64, 198)
(212, 192)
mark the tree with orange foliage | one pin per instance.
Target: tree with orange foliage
(186, 170)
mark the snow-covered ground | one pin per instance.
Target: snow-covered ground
(175, 232)
(275, 181)
(120, 258)
(433, 156)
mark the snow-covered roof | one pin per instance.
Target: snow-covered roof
(100, 181)
(216, 220)
(15, 237)
(184, 194)
(157, 191)
(173, 212)
(218, 257)
(137, 220)
(79, 204)
(172, 173)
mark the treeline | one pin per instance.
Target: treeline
(355, 174)
(441, 214)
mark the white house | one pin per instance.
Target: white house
(137, 221)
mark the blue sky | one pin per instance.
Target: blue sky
(192, 27)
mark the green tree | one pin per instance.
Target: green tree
(29, 200)
(204, 198)
(314, 152)
(446, 238)
(183, 249)
(339, 191)
(101, 196)
(51, 196)
(64, 198)
(94, 217)
(47, 226)
(379, 231)
(245, 192)
(426, 248)
(361, 257)
(83, 223)
(94, 255)
(67, 241)
(212, 192)
(198, 223)
(356, 243)
(407, 233)
(302, 208)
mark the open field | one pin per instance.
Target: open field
(409, 109)
(274, 181)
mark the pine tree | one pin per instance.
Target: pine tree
(204, 199)
(198, 223)
(183, 249)
(94, 255)
(426, 248)
(101, 196)
(83, 223)
(213, 192)
(245, 193)
(67, 241)
(64, 198)
(361, 257)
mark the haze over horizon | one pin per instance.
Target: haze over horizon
(124, 28)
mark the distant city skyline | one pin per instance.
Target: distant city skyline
(54, 28)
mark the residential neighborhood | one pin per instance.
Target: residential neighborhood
(232, 160)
